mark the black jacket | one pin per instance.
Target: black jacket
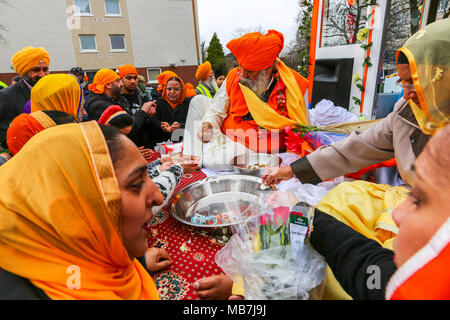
(14, 287)
(354, 259)
(96, 104)
(12, 101)
(165, 113)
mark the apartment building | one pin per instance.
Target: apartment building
(153, 35)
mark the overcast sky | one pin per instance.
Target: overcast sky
(227, 16)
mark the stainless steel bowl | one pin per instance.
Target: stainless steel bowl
(254, 164)
(212, 197)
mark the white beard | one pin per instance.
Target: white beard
(259, 87)
(211, 82)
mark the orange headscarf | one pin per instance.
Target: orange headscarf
(60, 92)
(163, 77)
(126, 69)
(61, 223)
(203, 71)
(190, 90)
(25, 126)
(28, 58)
(255, 51)
(183, 93)
(102, 78)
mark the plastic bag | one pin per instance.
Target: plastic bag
(325, 138)
(269, 250)
(325, 113)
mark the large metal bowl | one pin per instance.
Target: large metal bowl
(254, 164)
(228, 194)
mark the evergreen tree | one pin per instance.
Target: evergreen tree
(215, 54)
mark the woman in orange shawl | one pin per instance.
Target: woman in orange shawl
(74, 222)
(172, 108)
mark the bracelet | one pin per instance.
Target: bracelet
(209, 125)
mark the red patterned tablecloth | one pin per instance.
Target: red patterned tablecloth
(192, 252)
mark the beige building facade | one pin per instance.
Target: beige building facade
(153, 35)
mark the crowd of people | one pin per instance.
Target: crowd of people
(91, 184)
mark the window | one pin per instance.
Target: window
(112, 7)
(88, 42)
(117, 42)
(82, 7)
(152, 74)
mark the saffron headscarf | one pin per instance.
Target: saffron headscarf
(429, 59)
(25, 126)
(29, 57)
(255, 51)
(101, 79)
(203, 71)
(183, 92)
(110, 113)
(190, 90)
(61, 227)
(60, 92)
(163, 77)
(126, 69)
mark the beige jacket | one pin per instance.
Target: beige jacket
(398, 135)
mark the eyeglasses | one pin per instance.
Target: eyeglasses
(37, 69)
(408, 86)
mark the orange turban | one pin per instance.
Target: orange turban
(255, 51)
(163, 77)
(203, 71)
(190, 90)
(29, 57)
(24, 127)
(126, 69)
(102, 78)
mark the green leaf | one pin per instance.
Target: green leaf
(361, 87)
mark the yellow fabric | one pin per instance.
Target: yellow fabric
(429, 59)
(60, 92)
(28, 58)
(367, 208)
(63, 214)
(268, 118)
(43, 119)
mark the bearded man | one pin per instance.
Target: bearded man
(207, 83)
(32, 64)
(255, 102)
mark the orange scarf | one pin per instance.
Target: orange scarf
(61, 218)
(164, 92)
(24, 127)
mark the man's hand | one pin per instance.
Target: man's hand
(149, 108)
(277, 174)
(205, 133)
(157, 259)
(214, 288)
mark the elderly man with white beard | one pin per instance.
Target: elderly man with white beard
(252, 107)
(207, 83)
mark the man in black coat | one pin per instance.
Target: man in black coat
(32, 64)
(97, 103)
